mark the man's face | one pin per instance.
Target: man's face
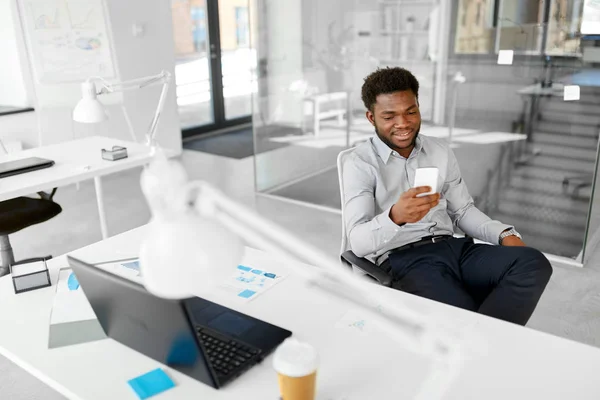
(397, 120)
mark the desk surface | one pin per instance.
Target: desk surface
(503, 361)
(75, 161)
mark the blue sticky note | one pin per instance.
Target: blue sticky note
(247, 294)
(244, 268)
(270, 275)
(151, 383)
(257, 271)
(72, 282)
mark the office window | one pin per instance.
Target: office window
(521, 26)
(199, 29)
(241, 27)
(475, 27)
(564, 25)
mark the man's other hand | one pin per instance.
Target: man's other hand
(512, 241)
(410, 209)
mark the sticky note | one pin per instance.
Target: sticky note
(244, 268)
(270, 275)
(151, 383)
(247, 293)
(257, 271)
(72, 282)
(505, 57)
(571, 92)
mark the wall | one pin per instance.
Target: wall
(135, 57)
(12, 83)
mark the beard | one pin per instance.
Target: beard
(391, 145)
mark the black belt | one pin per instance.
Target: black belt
(423, 242)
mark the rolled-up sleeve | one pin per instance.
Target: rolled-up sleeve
(462, 210)
(367, 231)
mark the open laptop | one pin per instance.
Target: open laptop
(201, 339)
(24, 165)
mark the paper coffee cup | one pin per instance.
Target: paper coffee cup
(296, 365)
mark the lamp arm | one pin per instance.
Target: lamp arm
(131, 84)
(334, 279)
(163, 78)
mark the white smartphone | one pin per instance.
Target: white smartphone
(426, 177)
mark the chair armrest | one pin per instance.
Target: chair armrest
(367, 267)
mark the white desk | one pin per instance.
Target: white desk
(515, 363)
(75, 161)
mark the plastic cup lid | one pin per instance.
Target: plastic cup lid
(295, 359)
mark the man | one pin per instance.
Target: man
(410, 236)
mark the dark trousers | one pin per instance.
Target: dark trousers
(499, 281)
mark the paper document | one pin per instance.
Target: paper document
(70, 305)
(248, 283)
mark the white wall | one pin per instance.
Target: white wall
(12, 86)
(134, 57)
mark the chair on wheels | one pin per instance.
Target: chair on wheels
(359, 265)
(20, 213)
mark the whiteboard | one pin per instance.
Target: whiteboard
(68, 40)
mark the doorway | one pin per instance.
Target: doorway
(215, 71)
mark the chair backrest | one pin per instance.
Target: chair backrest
(340, 165)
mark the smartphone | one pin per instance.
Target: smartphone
(426, 177)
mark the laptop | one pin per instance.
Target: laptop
(24, 165)
(204, 340)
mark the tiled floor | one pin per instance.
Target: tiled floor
(569, 308)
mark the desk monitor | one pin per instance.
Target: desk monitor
(204, 340)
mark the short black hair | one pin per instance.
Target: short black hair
(387, 80)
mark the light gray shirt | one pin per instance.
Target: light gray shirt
(374, 177)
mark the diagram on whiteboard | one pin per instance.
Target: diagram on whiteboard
(68, 39)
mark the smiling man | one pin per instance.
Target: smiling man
(410, 236)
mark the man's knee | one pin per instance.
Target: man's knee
(533, 261)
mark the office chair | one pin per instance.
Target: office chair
(20, 213)
(359, 265)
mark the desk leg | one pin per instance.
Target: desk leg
(101, 212)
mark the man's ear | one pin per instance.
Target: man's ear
(371, 117)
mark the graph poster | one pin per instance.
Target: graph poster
(68, 40)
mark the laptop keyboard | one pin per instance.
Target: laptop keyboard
(226, 356)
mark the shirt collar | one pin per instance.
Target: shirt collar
(385, 152)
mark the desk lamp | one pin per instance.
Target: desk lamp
(90, 110)
(193, 244)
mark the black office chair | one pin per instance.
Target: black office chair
(360, 265)
(20, 213)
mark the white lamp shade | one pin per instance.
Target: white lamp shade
(183, 252)
(89, 110)
(187, 254)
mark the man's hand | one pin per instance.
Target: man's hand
(410, 209)
(512, 241)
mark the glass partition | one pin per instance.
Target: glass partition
(524, 128)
